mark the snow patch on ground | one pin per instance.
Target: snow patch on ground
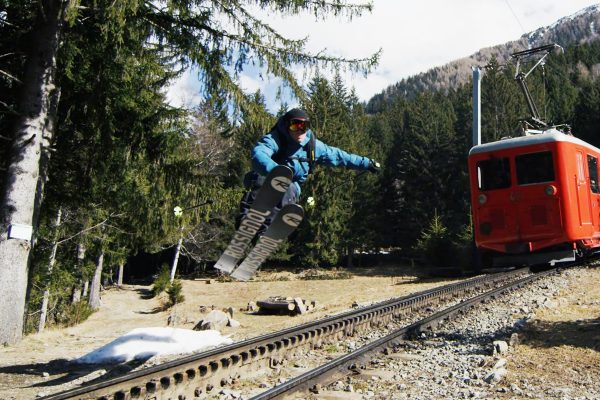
(143, 343)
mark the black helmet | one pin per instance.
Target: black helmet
(295, 113)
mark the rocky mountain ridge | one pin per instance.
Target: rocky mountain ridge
(581, 27)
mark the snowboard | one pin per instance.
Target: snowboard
(285, 222)
(268, 196)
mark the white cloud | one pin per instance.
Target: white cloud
(250, 84)
(418, 35)
(185, 91)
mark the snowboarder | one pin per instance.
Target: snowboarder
(291, 142)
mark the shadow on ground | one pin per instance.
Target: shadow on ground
(145, 293)
(583, 333)
(155, 310)
(64, 371)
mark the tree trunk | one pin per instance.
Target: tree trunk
(350, 262)
(94, 300)
(176, 259)
(120, 276)
(84, 291)
(81, 249)
(51, 261)
(76, 296)
(23, 191)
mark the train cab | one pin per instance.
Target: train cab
(535, 199)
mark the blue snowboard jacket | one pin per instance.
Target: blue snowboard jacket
(295, 155)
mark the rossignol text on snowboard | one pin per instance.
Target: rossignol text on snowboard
(285, 222)
(270, 193)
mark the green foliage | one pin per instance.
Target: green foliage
(318, 275)
(196, 36)
(465, 247)
(443, 249)
(175, 293)
(122, 157)
(435, 243)
(502, 104)
(224, 278)
(162, 281)
(332, 348)
(335, 223)
(426, 169)
(74, 314)
(61, 311)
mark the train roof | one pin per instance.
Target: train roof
(551, 135)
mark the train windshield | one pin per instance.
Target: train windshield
(493, 174)
(534, 168)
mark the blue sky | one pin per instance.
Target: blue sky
(414, 35)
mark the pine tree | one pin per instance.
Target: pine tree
(586, 124)
(332, 227)
(502, 104)
(392, 181)
(183, 33)
(22, 187)
(425, 165)
(560, 94)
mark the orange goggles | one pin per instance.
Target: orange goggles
(297, 125)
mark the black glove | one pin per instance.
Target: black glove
(374, 166)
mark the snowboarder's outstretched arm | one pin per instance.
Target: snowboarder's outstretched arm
(335, 157)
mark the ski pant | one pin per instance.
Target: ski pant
(253, 182)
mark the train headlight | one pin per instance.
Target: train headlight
(551, 190)
(482, 199)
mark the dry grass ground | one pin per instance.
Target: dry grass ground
(561, 347)
(22, 365)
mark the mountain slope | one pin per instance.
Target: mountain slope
(583, 26)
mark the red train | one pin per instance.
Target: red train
(535, 199)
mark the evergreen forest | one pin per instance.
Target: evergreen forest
(116, 158)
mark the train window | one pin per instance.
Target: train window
(593, 171)
(534, 168)
(493, 173)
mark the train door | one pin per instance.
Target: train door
(495, 214)
(583, 192)
(592, 162)
(538, 211)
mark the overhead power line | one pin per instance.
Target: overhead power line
(515, 15)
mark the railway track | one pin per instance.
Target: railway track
(355, 361)
(207, 373)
